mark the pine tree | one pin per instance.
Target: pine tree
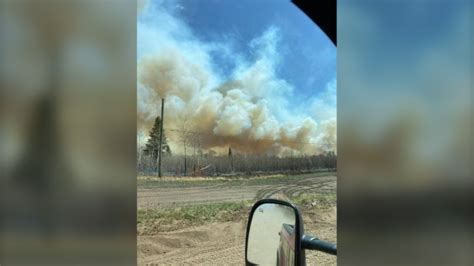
(153, 145)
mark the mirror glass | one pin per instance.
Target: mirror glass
(271, 239)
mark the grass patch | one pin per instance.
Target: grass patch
(150, 221)
(315, 200)
(225, 182)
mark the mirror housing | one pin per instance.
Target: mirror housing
(298, 229)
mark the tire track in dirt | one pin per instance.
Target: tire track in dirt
(301, 186)
(216, 244)
(167, 197)
(162, 197)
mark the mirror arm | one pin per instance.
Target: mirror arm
(313, 243)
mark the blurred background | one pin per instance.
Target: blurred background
(67, 132)
(405, 186)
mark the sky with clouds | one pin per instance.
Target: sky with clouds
(269, 51)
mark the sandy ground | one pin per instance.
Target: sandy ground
(214, 244)
(224, 243)
(221, 244)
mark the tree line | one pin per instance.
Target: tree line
(211, 164)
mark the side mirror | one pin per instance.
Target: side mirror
(274, 233)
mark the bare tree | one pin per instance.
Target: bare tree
(184, 137)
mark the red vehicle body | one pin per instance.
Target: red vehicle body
(286, 248)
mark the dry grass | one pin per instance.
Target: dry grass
(206, 178)
(152, 221)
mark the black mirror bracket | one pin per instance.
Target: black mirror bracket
(313, 243)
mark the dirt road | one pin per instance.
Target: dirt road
(163, 197)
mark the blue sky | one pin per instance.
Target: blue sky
(308, 58)
(281, 60)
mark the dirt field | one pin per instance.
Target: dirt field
(222, 243)
(196, 192)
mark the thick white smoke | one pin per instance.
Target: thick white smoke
(247, 110)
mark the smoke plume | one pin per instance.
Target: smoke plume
(247, 109)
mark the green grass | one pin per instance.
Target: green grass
(150, 221)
